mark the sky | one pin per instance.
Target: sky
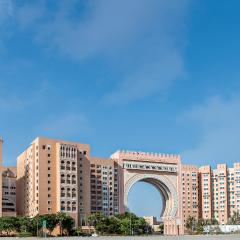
(150, 75)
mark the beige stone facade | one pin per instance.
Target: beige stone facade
(215, 194)
(104, 186)
(190, 192)
(162, 171)
(8, 177)
(220, 191)
(152, 222)
(54, 176)
(61, 176)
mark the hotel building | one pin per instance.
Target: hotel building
(54, 176)
(9, 176)
(190, 192)
(61, 176)
(8, 188)
(104, 186)
(220, 192)
(211, 193)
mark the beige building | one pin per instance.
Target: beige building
(220, 192)
(9, 176)
(163, 171)
(190, 192)
(54, 176)
(214, 195)
(152, 222)
(61, 176)
(104, 186)
(8, 188)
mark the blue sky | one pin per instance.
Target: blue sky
(150, 75)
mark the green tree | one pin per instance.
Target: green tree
(98, 221)
(67, 224)
(79, 231)
(8, 224)
(36, 225)
(23, 224)
(191, 224)
(95, 218)
(200, 226)
(112, 225)
(126, 224)
(235, 219)
(51, 220)
(61, 217)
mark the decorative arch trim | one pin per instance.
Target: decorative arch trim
(164, 184)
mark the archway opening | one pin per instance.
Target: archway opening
(145, 199)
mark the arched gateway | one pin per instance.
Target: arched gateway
(162, 171)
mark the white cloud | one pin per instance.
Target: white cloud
(218, 123)
(152, 78)
(6, 10)
(65, 125)
(142, 40)
(30, 13)
(38, 95)
(10, 103)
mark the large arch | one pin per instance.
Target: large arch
(162, 171)
(164, 186)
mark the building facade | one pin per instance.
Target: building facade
(163, 171)
(54, 176)
(61, 176)
(104, 186)
(190, 192)
(220, 192)
(8, 178)
(153, 223)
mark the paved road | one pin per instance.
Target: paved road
(216, 237)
